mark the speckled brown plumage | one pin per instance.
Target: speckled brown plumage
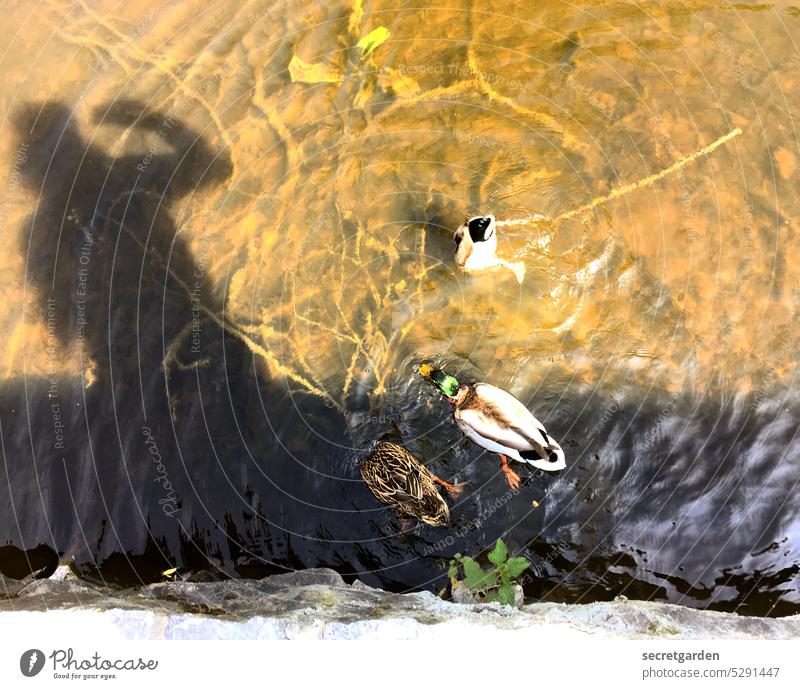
(401, 481)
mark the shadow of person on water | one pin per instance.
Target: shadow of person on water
(169, 445)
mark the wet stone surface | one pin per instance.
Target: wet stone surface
(319, 603)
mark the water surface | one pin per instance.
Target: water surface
(220, 272)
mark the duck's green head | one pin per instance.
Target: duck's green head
(441, 379)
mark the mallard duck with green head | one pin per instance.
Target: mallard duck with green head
(497, 421)
(401, 481)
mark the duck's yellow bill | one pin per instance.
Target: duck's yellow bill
(425, 370)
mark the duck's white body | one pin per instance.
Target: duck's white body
(497, 421)
(476, 246)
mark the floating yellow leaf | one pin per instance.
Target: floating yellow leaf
(168, 572)
(372, 40)
(312, 72)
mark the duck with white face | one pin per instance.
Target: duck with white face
(476, 246)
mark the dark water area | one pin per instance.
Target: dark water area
(176, 400)
(249, 503)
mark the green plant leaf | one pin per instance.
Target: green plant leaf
(505, 595)
(452, 572)
(473, 573)
(499, 554)
(372, 40)
(516, 566)
(475, 576)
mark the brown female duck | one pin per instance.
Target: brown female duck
(401, 481)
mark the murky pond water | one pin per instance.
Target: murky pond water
(227, 241)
